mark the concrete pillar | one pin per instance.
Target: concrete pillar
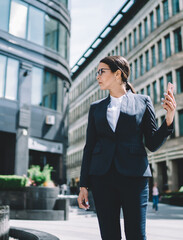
(23, 120)
(173, 175)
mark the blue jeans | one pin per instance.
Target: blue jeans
(113, 191)
(155, 202)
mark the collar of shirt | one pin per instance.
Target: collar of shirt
(115, 102)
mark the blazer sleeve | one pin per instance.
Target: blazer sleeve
(88, 149)
(154, 136)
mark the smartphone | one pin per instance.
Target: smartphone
(170, 87)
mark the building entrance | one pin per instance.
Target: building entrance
(43, 158)
(7, 153)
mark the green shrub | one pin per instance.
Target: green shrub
(11, 182)
(39, 177)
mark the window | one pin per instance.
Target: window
(147, 60)
(53, 101)
(146, 27)
(153, 56)
(178, 40)
(8, 77)
(51, 33)
(155, 92)
(3, 60)
(165, 10)
(175, 6)
(149, 90)
(180, 113)
(64, 2)
(117, 50)
(4, 14)
(35, 30)
(121, 48)
(18, 18)
(179, 78)
(152, 21)
(167, 46)
(160, 55)
(63, 38)
(141, 65)
(12, 79)
(46, 101)
(37, 78)
(125, 41)
(112, 52)
(135, 37)
(158, 16)
(130, 42)
(142, 91)
(136, 68)
(169, 77)
(140, 33)
(161, 83)
(131, 72)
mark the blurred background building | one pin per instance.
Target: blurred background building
(150, 35)
(34, 84)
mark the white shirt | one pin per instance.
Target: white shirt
(113, 111)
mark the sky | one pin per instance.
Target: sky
(88, 19)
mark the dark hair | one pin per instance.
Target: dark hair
(118, 62)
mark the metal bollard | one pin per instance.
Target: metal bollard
(4, 222)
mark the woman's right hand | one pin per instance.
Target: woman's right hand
(83, 198)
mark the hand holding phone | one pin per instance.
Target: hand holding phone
(170, 87)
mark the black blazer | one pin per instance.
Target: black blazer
(136, 126)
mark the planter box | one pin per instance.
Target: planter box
(15, 199)
(41, 197)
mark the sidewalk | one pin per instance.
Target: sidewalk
(166, 224)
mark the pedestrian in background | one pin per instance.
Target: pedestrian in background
(115, 165)
(155, 196)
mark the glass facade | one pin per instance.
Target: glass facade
(147, 60)
(178, 40)
(158, 16)
(179, 78)
(9, 69)
(4, 14)
(153, 54)
(175, 6)
(160, 54)
(155, 99)
(121, 48)
(45, 89)
(165, 10)
(18, 18)
(36, 16)
(152, 21)
(167, 46)
(180, 113)
(25, 21)
(161, 83)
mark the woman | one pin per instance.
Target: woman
(155, 196)
(115, 164)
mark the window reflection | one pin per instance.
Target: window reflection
(2, 75)
(63, 41)
(44, 89)
(51, 33)
(18, 18)
(37, 76)
(12, 79)
(36, 26)
(4, 10)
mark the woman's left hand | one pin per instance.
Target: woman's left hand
(169, 104)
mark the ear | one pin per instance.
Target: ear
(118, 73)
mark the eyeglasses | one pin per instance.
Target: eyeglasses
(101, 70)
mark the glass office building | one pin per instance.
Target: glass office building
(34, 84)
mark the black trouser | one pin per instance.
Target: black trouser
(113, 191)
